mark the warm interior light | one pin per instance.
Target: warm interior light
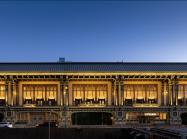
(152, 97)
(166, 92)
(150, 114)
(28, 97)
(29, 105)
(179, 97)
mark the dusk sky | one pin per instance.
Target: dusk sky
(93, 31)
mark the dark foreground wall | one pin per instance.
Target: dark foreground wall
(67, 133)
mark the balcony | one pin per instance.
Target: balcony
(78, 101)
(28, 101)
(141, 102)
(51, 102)
(145, 105)
(40, 102)
(2, 102)
(128, 102)
(180, 101)
(152, 100)
(89, 102)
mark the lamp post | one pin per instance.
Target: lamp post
(49, 135)
(49, 125)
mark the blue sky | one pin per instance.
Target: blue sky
(93, 31)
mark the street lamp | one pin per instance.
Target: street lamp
(49, 135)
(49, 125)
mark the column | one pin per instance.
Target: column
(176, 92)
(170, 94)
(165, 93)
(121, 92)
(16, 86)
(6, 92)
(20, 95)
(61, 92)
(67, 95)
(113, 92)
(185, 102)
(12, 92)
(59, 95)
(9, 92)
(109, 95)
(117, 91)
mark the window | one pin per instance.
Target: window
(40, 94)
(51, 92)
(101, 91)
(151, 93)
(2, 91)
(2, 95)
(89, 93)
(182, 94)
(140, 93)
(129, 95)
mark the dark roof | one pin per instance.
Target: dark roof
(93, 67)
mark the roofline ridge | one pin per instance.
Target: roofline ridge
(92, 62)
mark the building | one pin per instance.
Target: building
(94, 93)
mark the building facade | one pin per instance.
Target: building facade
(93, 93)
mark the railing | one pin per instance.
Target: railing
(145, 105)
(2, 102)
(89, 102)
(40, 103)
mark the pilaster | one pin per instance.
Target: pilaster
(61, 92)
(165, 93)
(6, 91)
(67, 94)
(121, 91)
(170, 92)
(117, 91)
(113, 93)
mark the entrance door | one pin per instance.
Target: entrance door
(184, 118)
(92, 118)
(145, 119)
(1, 117)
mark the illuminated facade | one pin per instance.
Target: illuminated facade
(67, 92)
